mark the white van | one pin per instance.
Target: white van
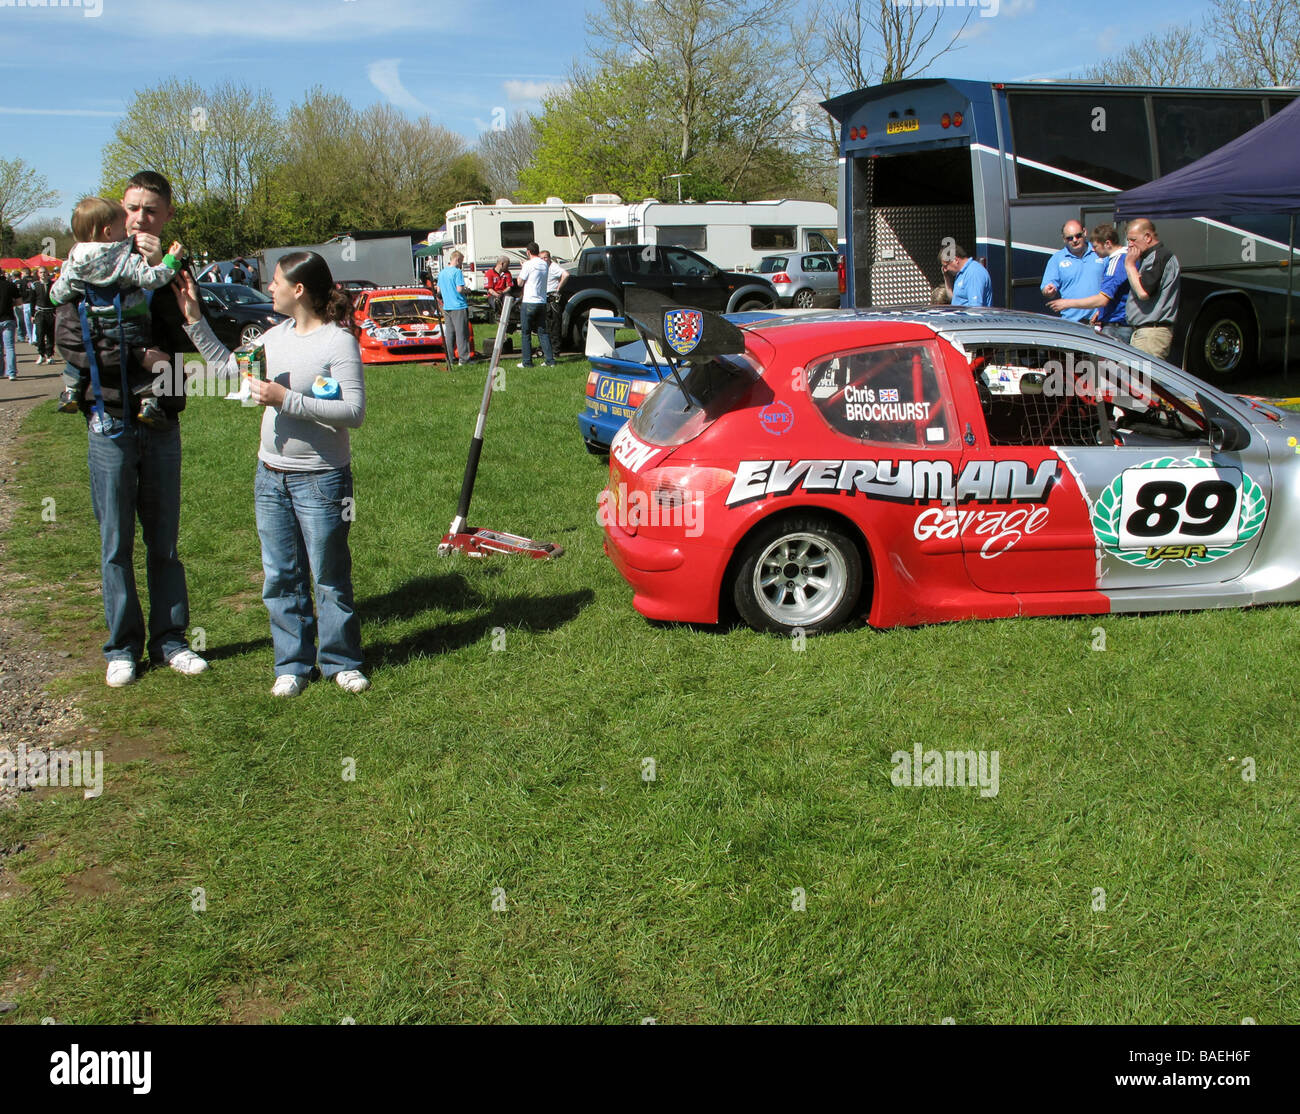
(733, 235)
(483, 233)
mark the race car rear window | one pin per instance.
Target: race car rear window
(671, 416)
(890, 393)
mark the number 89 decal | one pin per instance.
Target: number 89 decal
(1178, 510)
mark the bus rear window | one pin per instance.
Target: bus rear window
(1082, 138)
(669, 417)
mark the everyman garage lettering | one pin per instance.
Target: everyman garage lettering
(901, 481)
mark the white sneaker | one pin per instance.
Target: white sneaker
(187, 662)
(288, 684)
(120, 674)
(353, 680)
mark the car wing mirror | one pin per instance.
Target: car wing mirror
(1226, 433)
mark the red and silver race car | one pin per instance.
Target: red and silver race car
(400, 323)
(920, 465)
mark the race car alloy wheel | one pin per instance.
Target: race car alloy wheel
(799, 573)
(803, 299)
(249, 335)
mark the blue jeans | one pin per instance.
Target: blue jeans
(26, 310)
(532, 319)
(8, 358)
(138, 474)
(303, 520)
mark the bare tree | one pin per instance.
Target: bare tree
(1173, 58)
(1259, 42)
(506, 152)
(869, 42)
(22, 191)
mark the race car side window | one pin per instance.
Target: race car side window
(890, 394)
(1037, 395)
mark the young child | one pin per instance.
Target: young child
(104, 256)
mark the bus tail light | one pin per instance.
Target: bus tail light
(945, 120)
(957, 119)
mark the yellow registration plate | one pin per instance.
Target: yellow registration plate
(893, 127)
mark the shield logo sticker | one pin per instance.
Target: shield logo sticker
(683, 329)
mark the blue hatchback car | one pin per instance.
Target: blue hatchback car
(622, 376)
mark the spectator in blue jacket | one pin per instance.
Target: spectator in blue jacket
(971, 285)
(455, 310)
(1074, 272)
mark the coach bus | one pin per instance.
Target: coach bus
(1001, 167)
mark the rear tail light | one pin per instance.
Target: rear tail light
(591, 383)
(957, 119)
(945, 120)
(841, 270)
(468, 267)
(780, 276)
(641, 388)
(684, 485)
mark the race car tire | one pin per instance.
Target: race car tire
(803, 299)
(799, 573)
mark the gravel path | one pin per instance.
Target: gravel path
(28, 714)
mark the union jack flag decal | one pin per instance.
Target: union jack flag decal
(683, 329)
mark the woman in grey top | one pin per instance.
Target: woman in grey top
(303, 486)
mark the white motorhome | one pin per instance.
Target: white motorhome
(733, 235)
(483, 233)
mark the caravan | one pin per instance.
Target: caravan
(733, 235)
(484, 233)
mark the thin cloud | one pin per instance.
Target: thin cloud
(530, 90)
(385, 77)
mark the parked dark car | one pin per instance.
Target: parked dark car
(238, 314)
(597, 280)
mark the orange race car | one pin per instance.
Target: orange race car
(400, 323)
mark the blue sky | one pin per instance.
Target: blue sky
(69, 72)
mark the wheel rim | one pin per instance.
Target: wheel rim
(799, 579)
(1224, 344)
(249, 335)
(803, 299)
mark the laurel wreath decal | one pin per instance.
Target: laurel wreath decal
(1106, 511)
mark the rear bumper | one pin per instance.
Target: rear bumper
(670, 582)
(598, 426)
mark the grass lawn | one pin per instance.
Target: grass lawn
(770, 872)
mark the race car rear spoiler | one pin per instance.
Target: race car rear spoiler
(691, 336)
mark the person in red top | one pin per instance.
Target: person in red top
(499, 282)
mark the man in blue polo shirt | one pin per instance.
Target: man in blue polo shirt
(1108, 306)
(1073, 273)
(971, 285)
(455, 310)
